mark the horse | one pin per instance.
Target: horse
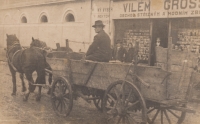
(40, 44)
(25, 61)
(36, 43)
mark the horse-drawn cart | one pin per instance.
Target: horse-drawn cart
(126, 93)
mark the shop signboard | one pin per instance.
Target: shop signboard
(156, 9)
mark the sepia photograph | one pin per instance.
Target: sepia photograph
(99, 62)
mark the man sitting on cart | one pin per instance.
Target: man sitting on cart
(100, 49)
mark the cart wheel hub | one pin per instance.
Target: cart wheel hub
(121, 111)
(59, 95)
(114, 112)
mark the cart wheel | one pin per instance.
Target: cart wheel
(171, 115)
(98, 103)
(123, 103)
(61, 96)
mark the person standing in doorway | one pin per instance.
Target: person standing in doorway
(158, 41)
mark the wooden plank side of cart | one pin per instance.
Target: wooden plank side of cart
(182, 64)
(107, 73)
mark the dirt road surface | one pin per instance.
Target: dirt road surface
(14, 111)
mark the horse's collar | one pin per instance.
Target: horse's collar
(13, 45)
(9, 48)
(10, 61)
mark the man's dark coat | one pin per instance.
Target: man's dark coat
(100, 49)
(130, 54)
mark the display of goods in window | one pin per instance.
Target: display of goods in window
(141, 36)
(188, 40)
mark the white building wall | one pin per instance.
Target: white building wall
(55, 31)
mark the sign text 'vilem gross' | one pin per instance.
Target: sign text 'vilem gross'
(168, 8)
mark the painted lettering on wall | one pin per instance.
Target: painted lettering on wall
(167, 8)
(104, 9)
(168, 5)
(134, 7)
(181, 4)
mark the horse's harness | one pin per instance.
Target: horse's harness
(12, 47)
(7, 54)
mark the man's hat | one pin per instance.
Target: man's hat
(98, 23)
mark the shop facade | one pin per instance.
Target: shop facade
(176, 23)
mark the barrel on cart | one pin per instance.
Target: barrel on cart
(126, 93)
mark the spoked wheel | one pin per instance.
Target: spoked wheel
(165, 115)
(124, 104)
(61, 96)
(98, 102)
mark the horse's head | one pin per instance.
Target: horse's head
(37, 43)
(40, 44)
(12, 40)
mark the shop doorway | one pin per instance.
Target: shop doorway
(160, 29)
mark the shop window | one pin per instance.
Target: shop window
(44, 19)
(69, 18)
(23, 19)
(132, 31)
(185, 34)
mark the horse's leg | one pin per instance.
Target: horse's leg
(14, 83)
(50, 76)
(40, 80)
(31, 88)
(13, 73)
(39, 93)
(23, 84)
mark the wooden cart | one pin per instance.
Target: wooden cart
(126, 93)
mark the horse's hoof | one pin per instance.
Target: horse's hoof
(38, 98)
(25, 98)
(13, 94)
(23, 89)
